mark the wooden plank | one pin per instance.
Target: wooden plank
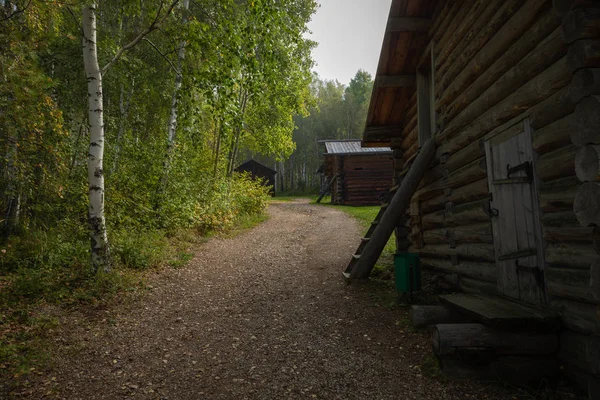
(408, 24)
(406, 80)
(501, 313)
(393, 213)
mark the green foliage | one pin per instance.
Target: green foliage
(339, 112)
(234, 199)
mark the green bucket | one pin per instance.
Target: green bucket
(407, 270)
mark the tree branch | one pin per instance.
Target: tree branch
(157, 21)
(163, 56)
(17, 11)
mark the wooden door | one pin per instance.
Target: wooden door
(515, 215)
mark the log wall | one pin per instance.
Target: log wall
(362, 179)
(497, 63)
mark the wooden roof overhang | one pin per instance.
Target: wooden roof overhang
(405, 40)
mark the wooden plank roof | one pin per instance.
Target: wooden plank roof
(352, 146)
(252, 164)
(405, 38)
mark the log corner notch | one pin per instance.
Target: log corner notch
(372, 250)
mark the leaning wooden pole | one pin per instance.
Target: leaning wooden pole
(397, 207)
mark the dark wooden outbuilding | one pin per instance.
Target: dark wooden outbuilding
(508, 210)
(259, 171)
(362, 176)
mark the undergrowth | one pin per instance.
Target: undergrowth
(45, 268)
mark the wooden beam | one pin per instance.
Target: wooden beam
(362, 269)
(408, 24)
(376, 132)
(395, 80)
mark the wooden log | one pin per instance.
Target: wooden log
(526, 371)
(459, 58)
(560, 219)
(585, 54)
(577, 316)
(556, 164)
(581, 350)
(448, 338)
(558, 195)
(564, 6)
(471, 11)
(457, 367)
(476, 286)
(585, 82)
(534, 91)
(587, 163)
(393, 213)
(581, 24)
(586, 383)
(471, 172)
(478, 251)
(463, 214)
(478, 233)
(481, 271)
(587, 117)
(569, 234)
(423, 316)
(587, 204)
(529, 54)
(572, 255)
(555, 135)
(464, 194)
(575, 284)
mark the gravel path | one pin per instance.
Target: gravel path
(264, 315)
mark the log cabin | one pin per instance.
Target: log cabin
(492, 111)
(356, 176)
(259, 171)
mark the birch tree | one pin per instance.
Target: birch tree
(100, 250)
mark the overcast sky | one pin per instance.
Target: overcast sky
(350, 34)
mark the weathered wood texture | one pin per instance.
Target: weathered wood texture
(497, 66)
(501, 313)
(394, 212)
(423, 316)
(448, 338)
(361, 179)
(587, 204)
(587, 163)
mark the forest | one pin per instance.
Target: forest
(127, 116)
(121, 123)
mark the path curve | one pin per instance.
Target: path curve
(263, 315)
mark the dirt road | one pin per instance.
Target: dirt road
(264, 315)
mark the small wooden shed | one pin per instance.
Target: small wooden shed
(508, 92)
(259, 171)
(361, 176)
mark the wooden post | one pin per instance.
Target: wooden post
(393, 213)
(447, 339)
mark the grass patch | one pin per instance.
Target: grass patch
(431, 367)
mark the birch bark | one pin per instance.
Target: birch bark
(99, 240)
(172, 131)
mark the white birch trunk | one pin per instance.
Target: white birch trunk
(172, 131)
(98, 236)
(124, 110)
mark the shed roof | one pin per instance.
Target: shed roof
(406, 37)
(253, 163)
(352, 146)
